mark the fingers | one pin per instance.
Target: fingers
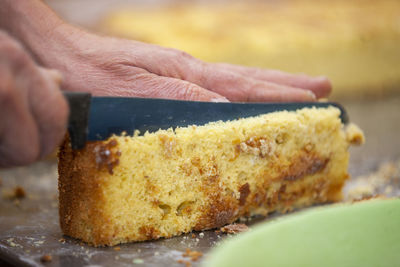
(151, 85)
(320, 86)
(33, 112)
(278, 93)
(234, 82)
(171, 88)
(48, 107)
(19, 136)
(238, 87)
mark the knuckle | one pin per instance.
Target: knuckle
(200, 72)
(6, 91)
(190, 91)
(184, 66)
(7, 43)
(182, 55)
(13, 55)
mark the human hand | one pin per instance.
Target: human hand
(33, 112)
(111, 66)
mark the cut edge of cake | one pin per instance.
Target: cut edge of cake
(162, 184)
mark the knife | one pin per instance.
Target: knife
(97, 118)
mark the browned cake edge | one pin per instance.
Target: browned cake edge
(81, 198)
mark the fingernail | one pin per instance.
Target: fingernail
(312, 95)
(218, 100)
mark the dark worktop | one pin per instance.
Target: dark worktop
(29, 227)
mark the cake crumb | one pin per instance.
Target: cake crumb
(38, 243)
(234, 228)
(16, 194)
(384, 181)
(201, 235)
(46, 258)
(354, 135)
(366, 198)
(12, 243)
(61, 240)
(192, 254)
(117, 248)
(193, 236)
(187, 263)
(19, 192)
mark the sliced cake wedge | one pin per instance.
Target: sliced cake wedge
(162, 184)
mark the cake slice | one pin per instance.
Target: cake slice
(162, 184)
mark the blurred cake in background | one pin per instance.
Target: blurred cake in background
(355, 43)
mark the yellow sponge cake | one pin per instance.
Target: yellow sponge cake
(162, 184)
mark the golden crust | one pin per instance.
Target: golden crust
(200, 177)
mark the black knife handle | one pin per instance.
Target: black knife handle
(79, 107)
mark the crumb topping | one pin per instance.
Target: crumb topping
(187, 263)
(234, 228)
(19, 192)
(168, 144)
(107, 155)
(192, 254)
(244, 192)
(258, 146)
(354, 135)
(46, 258)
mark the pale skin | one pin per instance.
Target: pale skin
(33, 112)
(109, 66)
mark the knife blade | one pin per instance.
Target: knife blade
(97, 118)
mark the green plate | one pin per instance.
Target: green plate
(359, 234)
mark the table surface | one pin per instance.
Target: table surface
(29, 229)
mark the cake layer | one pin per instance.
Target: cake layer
(162, 184)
